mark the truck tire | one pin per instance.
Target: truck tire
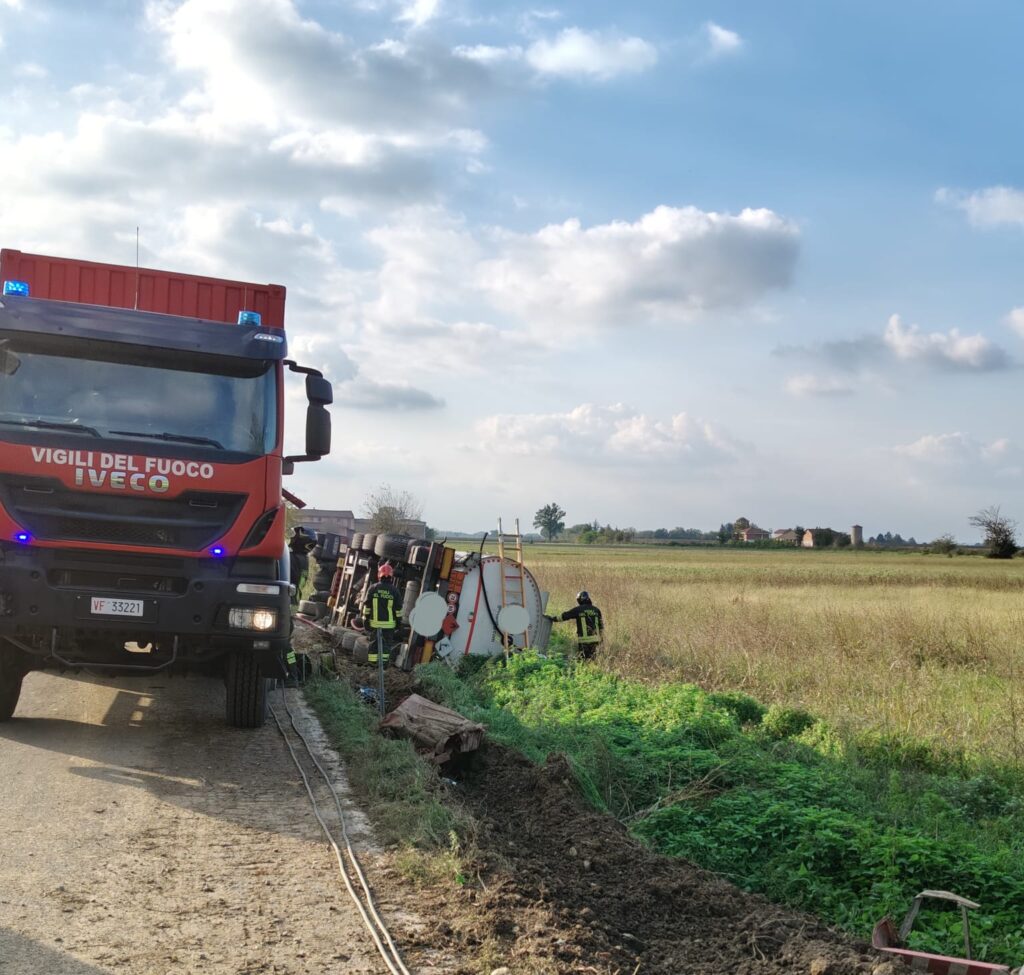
(418, 555)
(357, 542)
(11, 676)
(348, 641)
(361, 649)
(246, 692)
(322, 581)
(369, 541)
(392, 547)
(320, 596)
(322, 610)
(308, 608)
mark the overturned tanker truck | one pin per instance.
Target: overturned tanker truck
(492, 604)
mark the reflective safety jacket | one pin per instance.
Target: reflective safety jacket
(383, 607)
(589, 623)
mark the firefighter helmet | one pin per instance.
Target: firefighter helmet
(385, 571)
(582, 597)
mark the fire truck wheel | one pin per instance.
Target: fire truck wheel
(361, 649)
(11, 676)
(392, 547)
(308, 608)
(247, 692)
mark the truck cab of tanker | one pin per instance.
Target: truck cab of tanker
(142, 526)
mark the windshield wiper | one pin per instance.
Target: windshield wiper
(176, 437)
(50, 425)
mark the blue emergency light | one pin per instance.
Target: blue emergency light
(23, 537)
(249, 318)
(15, 289)
(217, 551)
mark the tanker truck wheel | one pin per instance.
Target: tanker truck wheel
(12, 673)
(247, 691)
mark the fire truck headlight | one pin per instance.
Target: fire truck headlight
(252, 618)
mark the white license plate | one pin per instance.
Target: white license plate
(103, 606)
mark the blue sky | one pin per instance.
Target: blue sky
(665, 263)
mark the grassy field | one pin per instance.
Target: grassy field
(922, 648)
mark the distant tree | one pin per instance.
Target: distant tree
(549, 520)
(944, 545)
(739, 526)
(799, 529)
(390, 509)
(579, 529)
(1000, 532)
(661, 533)
(725, 532)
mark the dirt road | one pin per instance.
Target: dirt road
(139, 834)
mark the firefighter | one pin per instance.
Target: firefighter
(382, 613)
(302, 542)
(589, 625)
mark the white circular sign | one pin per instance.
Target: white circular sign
(513, 620)
(428, 614)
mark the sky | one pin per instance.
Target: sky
(663, 263)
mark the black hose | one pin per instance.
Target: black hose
(483, 582)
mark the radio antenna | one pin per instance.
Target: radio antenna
(136, 267)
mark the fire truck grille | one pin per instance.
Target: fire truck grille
(47, 509)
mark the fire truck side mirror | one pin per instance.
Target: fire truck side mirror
(319, 393)
(318, 430)
(319, 390)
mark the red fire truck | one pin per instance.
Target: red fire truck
(142, 526)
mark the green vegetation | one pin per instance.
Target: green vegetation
(399, 790)
(906, 646)
(847, 827)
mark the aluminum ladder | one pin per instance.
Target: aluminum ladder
(513, 581)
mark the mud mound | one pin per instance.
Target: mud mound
(567, 884)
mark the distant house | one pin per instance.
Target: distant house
(787, 536)
(327, 520)
(754, 534)
(808, 540)
(411, 526)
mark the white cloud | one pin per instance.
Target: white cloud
(948, 349)
(30, 70)
(576, 53)
(721, 41)
(670, 265)
(1015, 320)
(811, 384)
(368, 394)
(259, 63)
(606, 434)
(419, 12)
(987, 207)
(960, 451)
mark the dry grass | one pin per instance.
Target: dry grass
(912, 645)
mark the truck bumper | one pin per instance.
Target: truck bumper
(47, 600)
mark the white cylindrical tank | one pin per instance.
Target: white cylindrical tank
(475, 599)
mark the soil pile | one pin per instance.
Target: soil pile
(568, 884)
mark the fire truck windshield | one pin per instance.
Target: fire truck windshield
(134, 393)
